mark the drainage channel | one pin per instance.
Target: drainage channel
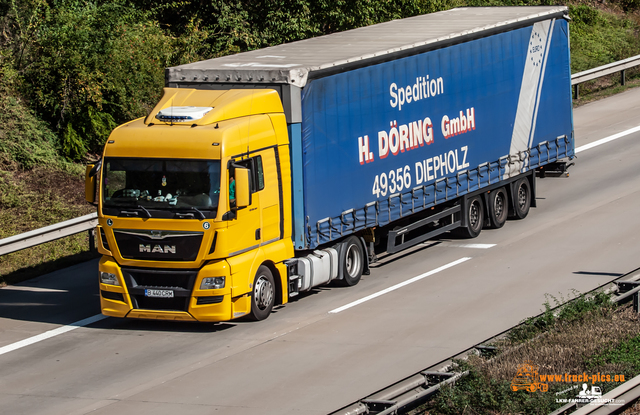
(414, 390)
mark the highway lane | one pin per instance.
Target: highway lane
(305, 360)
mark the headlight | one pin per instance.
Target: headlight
(210, 283)
(109, 278)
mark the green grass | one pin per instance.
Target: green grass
(579, 308)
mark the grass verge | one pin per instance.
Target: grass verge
(35, 198)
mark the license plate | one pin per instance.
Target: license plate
(158, 293)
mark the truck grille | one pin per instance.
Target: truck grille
(158, 245)
(179, 281)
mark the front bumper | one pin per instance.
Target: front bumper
(189, 304)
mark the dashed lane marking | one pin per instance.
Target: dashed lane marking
(51, 333)
(607, 139)
(400, 285)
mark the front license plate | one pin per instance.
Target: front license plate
(158, 293)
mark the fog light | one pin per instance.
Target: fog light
(210, 283)
(109, 278)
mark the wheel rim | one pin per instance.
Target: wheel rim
(263, 293)
(352, 261)
(522, 197)
(474, 214)
(498, 207)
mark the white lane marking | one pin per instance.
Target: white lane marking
(51, 333)
(473, 246)
(400, 285)
(33, 289)
(607, 139)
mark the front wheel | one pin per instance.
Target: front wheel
(264, 294)
(351, 261)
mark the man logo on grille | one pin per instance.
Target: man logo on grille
(157, 249)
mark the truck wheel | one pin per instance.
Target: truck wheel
(264, 294)
(498, 208)
(475, 218)
(522, 199)
(351, 262)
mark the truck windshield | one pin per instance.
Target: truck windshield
(161, 184)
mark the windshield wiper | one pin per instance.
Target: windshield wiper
(144, 210)
(133, 213)
(190, 215)
(202, 216)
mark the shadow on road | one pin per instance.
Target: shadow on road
(71, 294)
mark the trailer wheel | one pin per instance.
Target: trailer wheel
(475, 218)
(498, 208)
(351, 262)
(264, 294)
(522, 198)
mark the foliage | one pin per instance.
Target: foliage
(84, 66)
(24, 138)
(626, 355)
(598, 38)
(87, 66)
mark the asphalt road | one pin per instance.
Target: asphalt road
(306, 359)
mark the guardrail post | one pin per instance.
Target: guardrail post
(576, 94)
(636, 302)
(622, 77)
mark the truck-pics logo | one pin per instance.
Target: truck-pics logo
(528, 379)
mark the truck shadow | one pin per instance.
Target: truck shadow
(71, 294)
(161, 326)
(605, 274)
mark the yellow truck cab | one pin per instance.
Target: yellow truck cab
(193, 216)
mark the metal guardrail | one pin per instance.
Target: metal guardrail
(600, 71)
(48, 233)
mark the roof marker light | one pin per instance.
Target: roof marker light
(182, 114)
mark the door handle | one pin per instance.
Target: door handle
(258, 234)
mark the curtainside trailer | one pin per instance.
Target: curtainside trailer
(261, 175)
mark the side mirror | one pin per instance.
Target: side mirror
(90, 184)
(243, 189)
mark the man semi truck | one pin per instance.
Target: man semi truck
(261, 175)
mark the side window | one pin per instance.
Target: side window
(259, 173)
(254, 164)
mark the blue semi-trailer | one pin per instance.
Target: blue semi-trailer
(341, 147)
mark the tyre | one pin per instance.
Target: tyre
(522, 199)
(264, 294)
(498, 208)
(351, 262)
(475, 218)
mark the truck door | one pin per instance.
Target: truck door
(269, 190)
(258, 223)
(245, 229)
